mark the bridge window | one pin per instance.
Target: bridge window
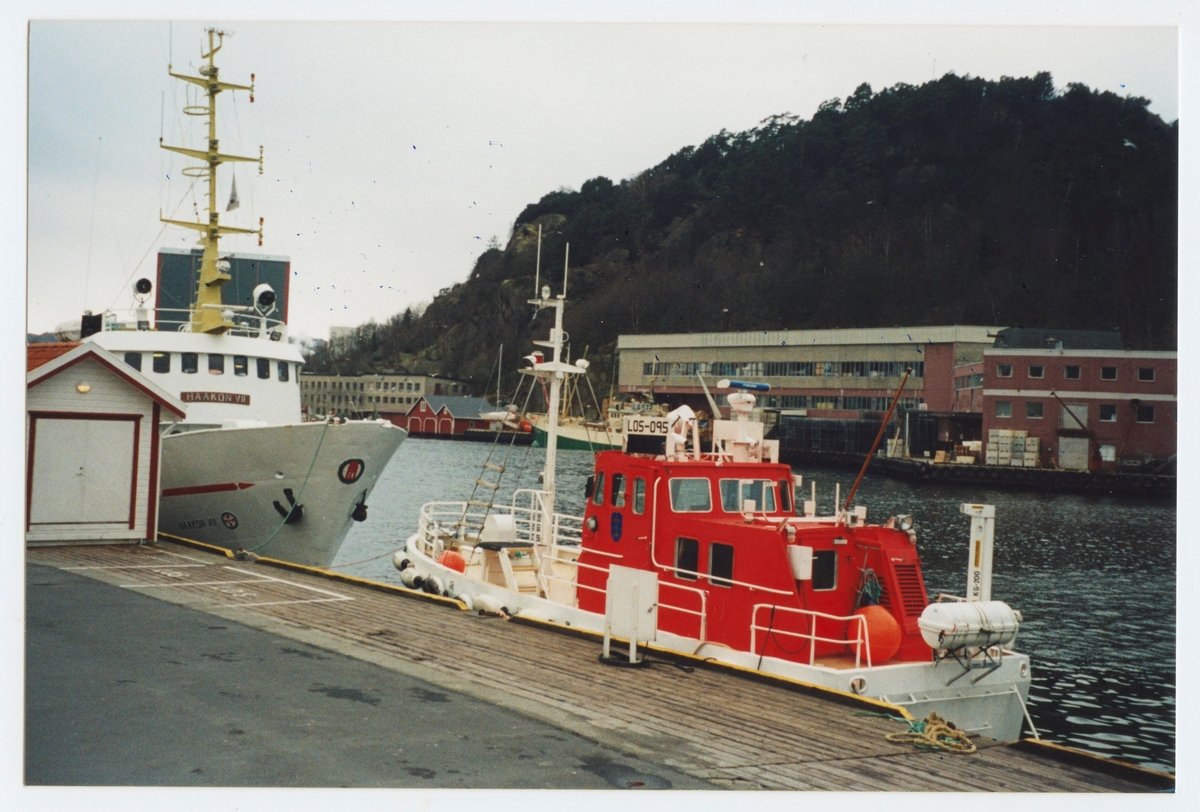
(283, 370)
(618, 490)
(785, 496)
(241, 366)
(824, 570)
(161, 362)
(720, 564)
(687, 558)
(134, 359)
(264, 368)
(736, 492)
(690, 495)
(189, 362)
(598, 494)
(639, 495)
(216, 364)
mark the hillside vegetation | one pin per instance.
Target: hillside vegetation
(960, 201)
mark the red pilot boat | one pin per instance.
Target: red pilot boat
(705, 551)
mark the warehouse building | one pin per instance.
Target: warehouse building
(372, 393)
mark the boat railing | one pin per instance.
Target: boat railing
(174, 319)
(861, 641)
(441, 522)
(702, 613)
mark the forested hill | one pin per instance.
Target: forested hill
(960, 201)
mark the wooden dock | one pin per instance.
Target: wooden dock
(731, 731)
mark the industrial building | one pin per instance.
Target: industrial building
(372, 393)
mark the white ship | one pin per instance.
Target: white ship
(243, 471)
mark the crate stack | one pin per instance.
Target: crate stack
(1011, 447)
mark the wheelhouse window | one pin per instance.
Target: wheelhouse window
(1004, 370)
(785, 495)
(824, 570)
(1071, 373)
(134, 359)
(1037, 371)
(1145, 414)
(216, 364)
(1108, 373)
(598, 493)
(618, 490)
(639, 495)
(1004, 408)
(736, 492)
(720, 564)
(264, 368)
(1108, 413)
(241, 366)
(687, 558)
(1033, 409)
(1145, 373)
(283, 370)
(690, 495)
(189, 362)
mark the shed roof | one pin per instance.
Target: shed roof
(80, 351)
(43, 352)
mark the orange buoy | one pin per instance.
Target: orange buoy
(883, 633)
(452, 560)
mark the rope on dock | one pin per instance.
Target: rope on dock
(935, 733)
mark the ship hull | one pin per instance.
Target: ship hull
(230, 487)
(576, 437)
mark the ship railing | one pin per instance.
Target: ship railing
(175, 319)
(861, 641)
(441, 522)
(702, 613)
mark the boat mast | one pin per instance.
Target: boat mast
(208, 316)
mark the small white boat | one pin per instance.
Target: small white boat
(243, 471)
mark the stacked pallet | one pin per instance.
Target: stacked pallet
(1012, 447)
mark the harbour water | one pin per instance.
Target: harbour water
(1094, 578)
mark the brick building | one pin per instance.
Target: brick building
(368, 394)
(1092, 404)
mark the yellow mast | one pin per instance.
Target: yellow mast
(207, 313)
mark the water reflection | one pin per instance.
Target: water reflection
(1093, 576)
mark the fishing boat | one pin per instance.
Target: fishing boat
(242, 471)
(709, 553)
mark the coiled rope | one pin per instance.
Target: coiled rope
(935, 733)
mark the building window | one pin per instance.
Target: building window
(216, 364)
(1108, 413)
(1108, 373)
(687, 558)
(1033, 409)
(1004, 370)
(1071, 373)
(134, 359)
(639, 495)
(1108, 453)
(264, 368)
(690, 495)
(1004, 408)
(1037, 371)
(189, 362)
(1145, 373)
(1145, 414)
(720, 564)
(824, 570)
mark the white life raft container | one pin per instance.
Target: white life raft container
(980, 624)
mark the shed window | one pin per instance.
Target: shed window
(264, 369)
(687, 558)
(598, 494)
(1071, 373)
(189, 362)
(241, 366)
(824, 570)
(618, 490)
(1145, 373)
(690, 495)
(1108, 373)
(134, 359)
(639, 495)
(720, 564)
(1004, 408)
(283, 370)
(216, 364)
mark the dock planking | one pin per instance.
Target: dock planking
(733, 732)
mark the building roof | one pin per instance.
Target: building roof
(947, 334)
(46, 351)
(460, 408)
(1046, 338)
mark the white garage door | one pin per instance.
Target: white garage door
(82, 471)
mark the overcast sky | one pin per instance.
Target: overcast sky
(395, 151)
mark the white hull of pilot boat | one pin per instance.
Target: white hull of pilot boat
(992, 705)
(221, 486)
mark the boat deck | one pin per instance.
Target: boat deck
(729, 730)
